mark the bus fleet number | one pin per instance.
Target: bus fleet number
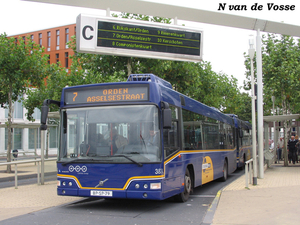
(159, 171)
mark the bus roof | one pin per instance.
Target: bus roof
(175, 98)
(165, 93)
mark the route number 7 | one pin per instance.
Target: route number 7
(75, 93)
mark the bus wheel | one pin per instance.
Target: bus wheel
(225, 171)
(184, 196)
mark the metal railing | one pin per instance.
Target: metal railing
(249, 172)
(248, 168)
(18, 153)
(39, 169)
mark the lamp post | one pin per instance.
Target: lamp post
(254, 154)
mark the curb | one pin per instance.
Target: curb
(212, 209)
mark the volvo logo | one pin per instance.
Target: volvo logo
(78, 168)
(101, 183)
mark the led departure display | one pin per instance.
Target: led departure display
(100, 94)
(146, 38)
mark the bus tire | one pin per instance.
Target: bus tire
(225, 171)
(184, 196)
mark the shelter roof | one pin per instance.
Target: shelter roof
(184, 13)
(281, 117)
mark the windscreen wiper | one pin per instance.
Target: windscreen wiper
(144, 143)
(140, 164)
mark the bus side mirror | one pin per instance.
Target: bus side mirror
(44, 112)
(44, 116)
(64, 122)
(167, 115)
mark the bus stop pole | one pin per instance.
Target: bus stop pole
(260, 122)
(254, 154)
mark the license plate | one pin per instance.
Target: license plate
(102, 193)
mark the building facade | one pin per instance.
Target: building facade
(54, 40)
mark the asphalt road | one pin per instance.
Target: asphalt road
(131, 212)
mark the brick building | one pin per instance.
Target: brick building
(55, 42)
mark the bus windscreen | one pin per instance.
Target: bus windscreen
(105, 133)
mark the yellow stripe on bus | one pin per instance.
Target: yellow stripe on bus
(144, 177)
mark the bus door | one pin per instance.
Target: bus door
(173, 165)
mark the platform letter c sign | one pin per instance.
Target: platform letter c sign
(84, 32)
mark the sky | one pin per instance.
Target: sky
(223, 47)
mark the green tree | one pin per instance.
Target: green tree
(242, 106)
(281, 72)
(85, 69)
(21, 65)
(281, 69)
(51, 89)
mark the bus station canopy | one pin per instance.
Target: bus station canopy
(184, 13)
(281, 117)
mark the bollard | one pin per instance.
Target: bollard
(38, 173)
(16, 176)
(248, 168)
(251, 174)
(246, 175)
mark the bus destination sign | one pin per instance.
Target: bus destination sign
(101, 94)
(124, 37)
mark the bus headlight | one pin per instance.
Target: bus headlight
(155, 186)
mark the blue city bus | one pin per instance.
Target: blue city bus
(139, 139)
(243, 140)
